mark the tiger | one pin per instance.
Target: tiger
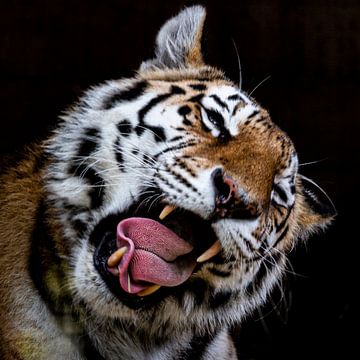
(157, 215)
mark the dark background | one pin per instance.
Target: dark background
(53, 50)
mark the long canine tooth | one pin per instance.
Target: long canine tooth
(168, 209)
(149, 290)
(115, 258)
(214, 249)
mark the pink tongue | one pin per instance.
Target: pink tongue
(153, 255)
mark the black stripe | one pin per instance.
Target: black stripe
(219, 272)
(118, 154)
(238, 106)
(221, 259)
(199, 87)
(254, 113)
(176, 138)
(126, 95)
(323, 207)
(259, 277)
(196, 98)
(197, 347)
(198, 288)
(185, 167)
(219, 299)
(176, 90)
(159, 133)
(187, 122)
(73, 210)
(280, 192)
(153, 102)
(266, 267)
(219, 102)
(183, 181)
(89, 351)
(79, 226)
(87, 173)
(235, 97)
(172, 186)
(44, 257)
(283, 234)
(124, 127)
(248, 244)
(175, 147)
(184, 110)
(263, 118)
(89, 143)
(283, 223)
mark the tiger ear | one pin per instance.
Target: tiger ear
(317, 210)
(178, 43)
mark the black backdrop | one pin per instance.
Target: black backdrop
(52, 50)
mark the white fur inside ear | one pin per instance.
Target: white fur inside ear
(176, 38)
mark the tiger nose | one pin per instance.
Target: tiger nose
(228, 201)
(225, 188)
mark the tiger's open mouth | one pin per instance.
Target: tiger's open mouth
(144, 255)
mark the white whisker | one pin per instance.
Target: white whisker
(319, 188)
(312, 162)
(239, 64)
(260, 83)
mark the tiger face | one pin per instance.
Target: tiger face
(177, 195)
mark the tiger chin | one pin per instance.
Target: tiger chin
(158, 214)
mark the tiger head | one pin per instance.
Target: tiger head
(177, 196)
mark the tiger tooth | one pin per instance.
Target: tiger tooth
(149, 290)
(114, 271)
(168, 209)
(213, 250)
(115, 258)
